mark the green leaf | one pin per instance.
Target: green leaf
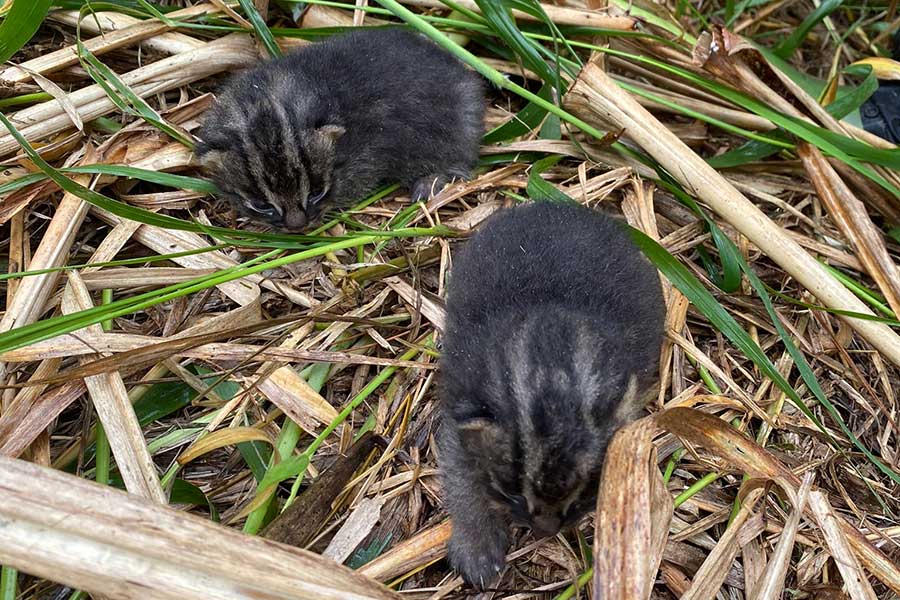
(523, 122)
(184, 492)
(551, 129)
(538, 188)
(373, 551)
(500, 19)
(787, 47)
(20, 24)
(850, 98)
(124, 97)
(262, 30)
(749, 152)
(175, 181)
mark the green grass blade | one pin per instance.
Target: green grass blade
(752, 151)
(793, 41)
(539, 189)
(20, 24)
(262, 30)
(176, 181)
(499, 17)
(853, 97)
(523, 122)
(115, 263)
(124, 97)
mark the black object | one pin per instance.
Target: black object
(881, 112)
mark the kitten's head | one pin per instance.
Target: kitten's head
(271, 162)
(542, 455)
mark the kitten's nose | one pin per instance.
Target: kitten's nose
(545, 525)
(295, 220)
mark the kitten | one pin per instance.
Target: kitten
(554, 327)
(325, 125)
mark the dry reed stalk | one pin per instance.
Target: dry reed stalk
(634, 510)
(33, 292)
(419, 303)
(422, 549)
(558, 14)
(165, 43)
(326, 16)
(106, 542)
(52, 251)
(596, 98)
(130, 350)
(49, 118)
(124, 278)
(728, 115)
(851, 217)
(855, 579)
(68, 56)
(712, 573)
(291, 393)
(30, 414)
(771, 585)
(110, 399)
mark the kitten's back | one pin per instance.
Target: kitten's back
(554, 253)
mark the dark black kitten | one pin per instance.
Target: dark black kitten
(325, 125)
(554, 327)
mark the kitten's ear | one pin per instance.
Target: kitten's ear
(479, 432)
(211, 160)
(331, 132)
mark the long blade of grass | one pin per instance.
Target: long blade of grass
(22, 20)
(181, 182)
(793, 41)
(261, 29)
(123, 96)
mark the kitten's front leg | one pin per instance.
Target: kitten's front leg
(480, 535)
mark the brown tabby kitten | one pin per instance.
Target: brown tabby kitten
(554, 326)
(324, 126)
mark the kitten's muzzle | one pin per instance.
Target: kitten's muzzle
(546, 526)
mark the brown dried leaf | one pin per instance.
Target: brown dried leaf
(634, 510)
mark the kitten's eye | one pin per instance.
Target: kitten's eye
(263, 208)
(315, 196)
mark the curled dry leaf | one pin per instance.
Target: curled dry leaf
(883, 67)
(634, 510)
(220, 439)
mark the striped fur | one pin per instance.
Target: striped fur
(322, 127)
(554, 325)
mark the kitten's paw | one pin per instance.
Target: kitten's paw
(480, 558)
(426, 187)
